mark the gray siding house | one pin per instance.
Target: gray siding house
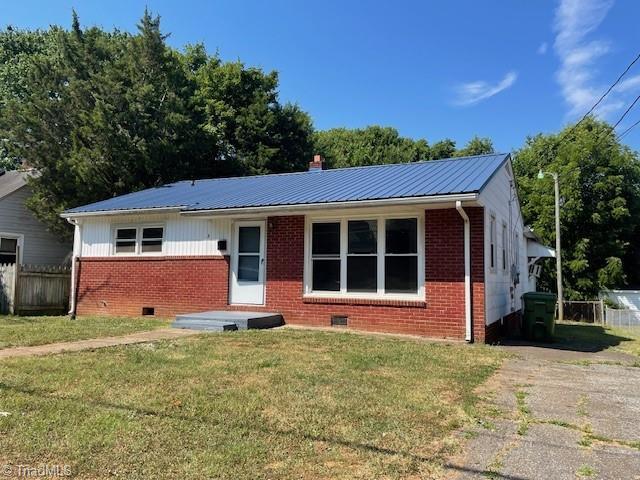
(23, 238)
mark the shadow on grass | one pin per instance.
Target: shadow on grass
(577, 337)
(259, 428)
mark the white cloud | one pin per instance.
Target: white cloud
(542, 49)
(474, 92)
(574, 21)
(629, 84)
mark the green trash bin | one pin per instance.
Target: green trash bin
(539, 315)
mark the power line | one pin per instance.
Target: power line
(612, 130)
(610, 88)
(625, 112)
(595, 105)
(628, 130)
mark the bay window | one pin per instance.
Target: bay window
(365, 257)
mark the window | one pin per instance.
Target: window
(248, 254)
(401, 256)
(8, 250)
(369, 256)
(138, 240)
(362, 256)
(152, 239)
(126, 239)
(325, 254)
(504, 246)
(492, 240)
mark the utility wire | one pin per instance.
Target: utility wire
(612, 130)
(625, 112)
(623, 134)
(595, 105)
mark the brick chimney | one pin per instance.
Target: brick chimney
(317, 164)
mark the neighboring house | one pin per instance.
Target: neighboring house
(627, 299)
(23, 238)
(432, 248)
(536, 251)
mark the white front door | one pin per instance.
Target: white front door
(248, 263)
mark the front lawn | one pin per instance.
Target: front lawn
(25, 331)
(244, 405)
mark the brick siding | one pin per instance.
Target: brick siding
(173, 285)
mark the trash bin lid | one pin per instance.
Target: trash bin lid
(540, 296)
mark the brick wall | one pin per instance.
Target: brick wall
(174, 285)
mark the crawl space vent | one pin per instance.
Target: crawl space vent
(339, 320)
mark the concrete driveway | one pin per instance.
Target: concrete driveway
(557, 414)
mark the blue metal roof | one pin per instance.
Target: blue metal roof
(402, 180)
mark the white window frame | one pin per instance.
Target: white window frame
(138, 240)
(493, 250)
(20, 238)
(505, 252)
(381, 255)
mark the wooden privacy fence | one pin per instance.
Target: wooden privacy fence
(28, 289)
(584, 311)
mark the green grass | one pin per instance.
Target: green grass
(26, 331)
(595, 335)
(585, 471)
(524, 412)
(244, 405)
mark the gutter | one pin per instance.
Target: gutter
(467, 273)
(77, 252)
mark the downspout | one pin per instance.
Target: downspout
(77, 250)
(467, 272)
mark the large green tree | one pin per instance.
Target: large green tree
(102, 113)
(476, 146)
(600, 212)
(17, 48)
(376, 145)
(373, 145)
(255, 133)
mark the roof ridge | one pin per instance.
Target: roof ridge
(439, 160)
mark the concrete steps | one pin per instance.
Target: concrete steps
(220, 320)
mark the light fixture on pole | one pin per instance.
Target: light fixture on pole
(556, 188)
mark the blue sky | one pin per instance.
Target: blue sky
(453, 69)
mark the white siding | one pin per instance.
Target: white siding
(500, 199)
(183, 235)
(39, 246)
(625, 298)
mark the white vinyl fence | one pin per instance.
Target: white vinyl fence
(28, 289)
